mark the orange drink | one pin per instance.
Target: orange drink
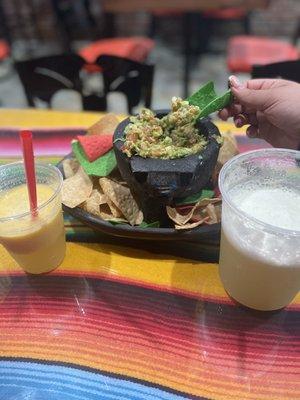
(37, 243)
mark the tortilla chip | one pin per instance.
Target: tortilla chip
(106, 214)
(99, 204)
(191, 225)
(202, 212)
(92, 204)
(178, 218)
(70, 167)
(76, 189)
(105, 125)
(103, 166)
(123, 200)
(95, 146)
(214, 213)
(139, 218)
(114, 210)
(229, 148)
(182, 219)
(205, 202)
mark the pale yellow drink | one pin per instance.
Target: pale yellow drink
(36, 243)
(260, 242)
(259, 269)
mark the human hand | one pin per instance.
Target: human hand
(271, 108)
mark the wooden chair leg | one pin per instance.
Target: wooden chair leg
(148, 88)
(109, 25)
(246, 24)
(4, 26)
(64, 29)
(297, 33)
(152, 26)
(204, 28)
(187, 52)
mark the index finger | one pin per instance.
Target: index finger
(254, 84)
(257, 84)
(230, 111)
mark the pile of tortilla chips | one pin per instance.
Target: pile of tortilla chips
(106, 196)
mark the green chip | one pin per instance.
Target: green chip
(208, 101)
(203, 96)
(144, 224)
(116, 222)
(103, 166)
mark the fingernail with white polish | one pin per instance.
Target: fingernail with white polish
(234, 82)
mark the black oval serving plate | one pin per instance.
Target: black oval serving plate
(205, 233)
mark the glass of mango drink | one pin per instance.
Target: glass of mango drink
(36, 242)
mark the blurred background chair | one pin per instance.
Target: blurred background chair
(131, 78)
(133, 48)
(4, 50)
(42, 77)
(5, 64)
(286, 70)
(246, 51)
(191, 42)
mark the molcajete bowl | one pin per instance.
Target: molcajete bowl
(157, 182)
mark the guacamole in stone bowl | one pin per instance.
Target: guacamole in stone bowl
(175, 135)
(157, 181)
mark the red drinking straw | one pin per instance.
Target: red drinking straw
(28, 156)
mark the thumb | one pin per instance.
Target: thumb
(257, 99)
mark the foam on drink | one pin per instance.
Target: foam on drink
(279, 207)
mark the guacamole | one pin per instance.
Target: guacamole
(173, 136)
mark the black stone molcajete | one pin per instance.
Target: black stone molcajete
(156, 182)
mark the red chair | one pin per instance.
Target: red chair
(133, 48)
(246, 51)
(4, 50)
(226, 13)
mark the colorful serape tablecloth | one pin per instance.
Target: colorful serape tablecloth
(121, 322)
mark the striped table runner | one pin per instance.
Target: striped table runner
(120, 322)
